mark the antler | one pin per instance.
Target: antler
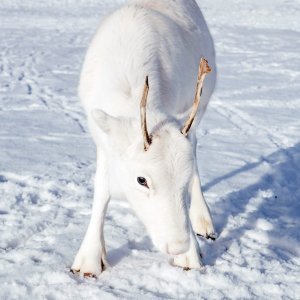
(147, 139)
(204, 69)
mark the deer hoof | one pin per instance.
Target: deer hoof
(88, 266)
(212, 236)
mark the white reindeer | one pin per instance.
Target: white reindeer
(151, 162)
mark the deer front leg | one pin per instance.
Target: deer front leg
(199, 212)
(192, 259)
(90, 260)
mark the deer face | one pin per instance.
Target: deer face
(157, 186)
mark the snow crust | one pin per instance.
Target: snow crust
(249, 150)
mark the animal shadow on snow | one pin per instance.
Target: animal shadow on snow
(114, 256)
(274, 198)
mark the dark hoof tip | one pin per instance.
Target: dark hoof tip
(89, 275)
(211, 236)
(74, 271)
(186, 269)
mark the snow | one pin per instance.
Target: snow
(249, 160)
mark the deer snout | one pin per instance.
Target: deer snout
(178, 247)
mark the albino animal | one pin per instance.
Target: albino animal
(147, 154)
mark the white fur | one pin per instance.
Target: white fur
(164, 40)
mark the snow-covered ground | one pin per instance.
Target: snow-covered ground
(249, 145)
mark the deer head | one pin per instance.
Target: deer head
(154, 170)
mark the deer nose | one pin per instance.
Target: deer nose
(177, 247)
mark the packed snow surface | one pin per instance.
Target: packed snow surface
(249, 146)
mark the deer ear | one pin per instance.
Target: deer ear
(104, 121)
(118, 130)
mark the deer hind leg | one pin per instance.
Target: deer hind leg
(199, 212)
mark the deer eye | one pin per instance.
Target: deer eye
(142, 181)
